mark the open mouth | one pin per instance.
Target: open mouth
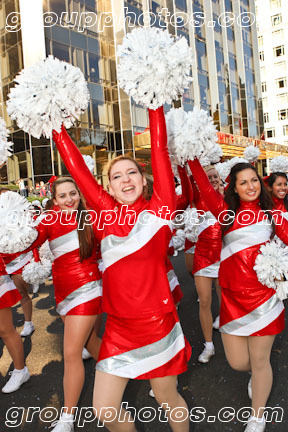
(128, 189)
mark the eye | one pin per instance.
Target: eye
(115, 177)
(132, 171)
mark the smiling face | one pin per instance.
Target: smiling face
(126, 183)
(67, 196)
(213, 178)
(247, 186)
(279, 187)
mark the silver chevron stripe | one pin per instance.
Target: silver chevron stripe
(172, 279)
(64, 244)
(254, 321)
(114, 248)
(145, 359)
(19, 262)
(208, 220)
(85, 293)
(243, 238)
(210, 271)
(6, 284)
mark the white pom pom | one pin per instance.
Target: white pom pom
(45, 252)
(36, 203)
(271, 265)
(251, 153)
(47, 94)
(192, 223)
(178, 190)
(279, 164)
(224, 168)
(37, 272)
(17, 231)
(44, 202)
(89, 162)
(282, 290)
(5, 146)
(192, 135)
(179, 240)
(154, 68)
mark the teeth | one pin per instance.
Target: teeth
(128, 189)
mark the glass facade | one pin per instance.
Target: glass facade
(223, 73)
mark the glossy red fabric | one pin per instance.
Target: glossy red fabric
(242, 291)
(119, 337)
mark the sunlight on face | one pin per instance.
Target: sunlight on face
(248, 186)
(279, 187)
(67, 197)
(126, 183)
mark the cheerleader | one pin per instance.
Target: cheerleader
(9, 296)
(206, 263)
(277, 186)
(77, 284)
(14, 265)
(143, 338)
(250, 314)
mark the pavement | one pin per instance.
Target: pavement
(216, 394)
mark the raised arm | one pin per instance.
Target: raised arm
(186, 198)
(97, 198)
(163, 186)
(213, 199)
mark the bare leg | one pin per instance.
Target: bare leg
(76, 332)
(11, 338)
(26, 302)
(166, 394)
(108, 392)
(262, 376)
(189, 258)
(237, 351)
(218, 290)
(204, 290)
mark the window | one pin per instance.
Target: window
(279, 51)
(275, 3)
(270, 133)
(264, 87)
(260, 41)
(276, 20)
(283, 114)
(281, 82)
(277, 36)
(285, 130)
(266, 117)
(282, 98)
(261, 55)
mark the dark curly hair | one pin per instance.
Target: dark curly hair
(233, 200)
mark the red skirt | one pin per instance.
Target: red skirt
(144, 348)
(9, 295)
(251, 312)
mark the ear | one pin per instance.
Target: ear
(269, 188)
(144, 181)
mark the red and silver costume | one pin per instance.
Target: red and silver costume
(143, 337)
(248, 308)
(77, 285)
(208, 246)
(9, 294)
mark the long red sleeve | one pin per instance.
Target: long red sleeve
(163, 187)
(186, 198)
(97, 198)
(213, 199)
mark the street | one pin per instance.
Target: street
(211, 387)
